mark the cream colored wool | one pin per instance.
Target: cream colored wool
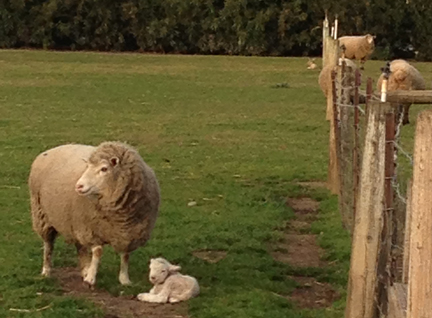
(403, 76)
(358, 47)
(93, 196)
(325, 80)
(169, 285)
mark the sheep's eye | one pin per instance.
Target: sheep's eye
(104, 169)
(163, 271)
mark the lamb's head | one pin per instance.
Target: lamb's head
(110, 169)
(160, 269)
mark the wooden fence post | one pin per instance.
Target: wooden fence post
(346, 145)
(420, 264)
(369, 221)
(356, 150)
(331, 57)
(407, 237)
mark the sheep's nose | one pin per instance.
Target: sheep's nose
(79, 186)
(152, 277)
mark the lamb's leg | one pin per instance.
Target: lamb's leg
(152, 298)
(362, 62)
(90, 277)
(84, 259)
(49, 239)
(124, 269)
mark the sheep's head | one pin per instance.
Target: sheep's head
(370, 39)
(160, 269)
(107, 171)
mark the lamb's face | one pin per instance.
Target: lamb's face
(99, 178)
(160, 270)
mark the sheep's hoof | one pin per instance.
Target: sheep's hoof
(125, 281)
(142, 297)
(91, 287)
(84, 272)
(174, 300)
(46, 272)
(91, 281)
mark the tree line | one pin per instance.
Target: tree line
(238, 27)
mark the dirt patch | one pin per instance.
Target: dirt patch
(313, 184)
(303, 205)
(299, 250)
(299, 225)
(117, 307)
(210, 256)
(312, 294)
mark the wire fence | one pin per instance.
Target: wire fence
(393, 165)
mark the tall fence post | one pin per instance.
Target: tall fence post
(364, 276)
(420, 264)
(407, 234)
(356, 150)
(331, 57)
(346, 79)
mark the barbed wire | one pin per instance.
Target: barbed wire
(404, 152)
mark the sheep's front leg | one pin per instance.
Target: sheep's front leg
(90, 277)
(124, 269)
(84, 259)
(152, 298)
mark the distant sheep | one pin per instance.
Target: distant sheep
(311, 64)
(93, 196)
(169, 285)
(358, 47)
(403, 76)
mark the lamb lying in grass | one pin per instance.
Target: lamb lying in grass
(169, 285)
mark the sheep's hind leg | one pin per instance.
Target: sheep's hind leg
(151, 298)
(90, 277)
(84, 259)
(49, 239)
(124, 269)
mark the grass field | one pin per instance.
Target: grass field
(217, 131)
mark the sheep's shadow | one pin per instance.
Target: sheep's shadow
(115, 307)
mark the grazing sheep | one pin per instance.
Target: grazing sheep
(169, 285)
(93, 196)
(403, 76)
(358, 47)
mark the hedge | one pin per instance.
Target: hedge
(239, 27)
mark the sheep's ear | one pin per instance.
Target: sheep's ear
(114, 161)
(174, 268)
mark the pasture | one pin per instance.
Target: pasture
(223, 132)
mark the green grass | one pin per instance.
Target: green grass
(222, 131)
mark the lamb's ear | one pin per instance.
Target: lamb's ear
(174, 268)
(114, 161)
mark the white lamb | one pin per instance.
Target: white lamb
(169, 285)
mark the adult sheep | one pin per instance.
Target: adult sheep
(358, 47)
(93, 196)
(403, 76)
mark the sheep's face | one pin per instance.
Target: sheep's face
(370, 39)
(99, 178)
(160, 269)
